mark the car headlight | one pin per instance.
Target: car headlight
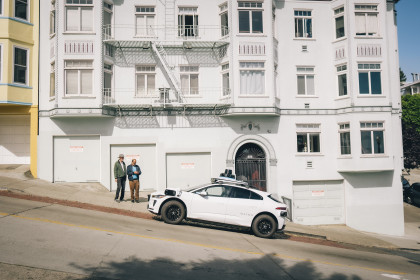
(158, 196)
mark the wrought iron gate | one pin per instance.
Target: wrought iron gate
(250, 166)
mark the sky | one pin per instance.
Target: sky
(408, 22)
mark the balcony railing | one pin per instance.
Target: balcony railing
(165, 96)
(160, 32)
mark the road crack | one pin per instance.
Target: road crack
(26, 210)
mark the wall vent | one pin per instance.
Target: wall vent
(309, 164)
(307, 105)
(304, 48)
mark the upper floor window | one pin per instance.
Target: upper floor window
(189, 80)
(303, 24)
(78, 76)
(342, 80)
(224, 19)
(225, 79)
(252, 78)
(344, 130)
(52, 80)
(366, 20)
(305, 81)
(20, 66)
(107, 15)
(372, 137)
(250, 17)
(339, 23)
(370, 79)
(145, 80)
(308, 138)
(52, 18)
(79, 15)
(145, 20)
(188, 21)
(21, 9)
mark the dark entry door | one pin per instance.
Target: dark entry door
(250, 166)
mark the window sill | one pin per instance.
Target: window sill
(371, 96)
(306, 96)
(253, 96)
(345, 157)
(304, 39)
(368, 37)
(251, 35)
(309, 155)
(78, 97)
(344, 97)
(79, 33)
(340, 39)
(374, 156)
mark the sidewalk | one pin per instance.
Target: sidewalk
(13, 179)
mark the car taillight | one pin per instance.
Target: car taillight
(281, 208)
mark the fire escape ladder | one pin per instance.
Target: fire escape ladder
(161, 54)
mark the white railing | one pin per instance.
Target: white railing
(158, 32)
(162, 96)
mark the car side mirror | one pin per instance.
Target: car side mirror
(203, 193)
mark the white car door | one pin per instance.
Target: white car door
(211, 205)
(242, 207)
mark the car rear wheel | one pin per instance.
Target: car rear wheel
(173, 212)
(264, 226)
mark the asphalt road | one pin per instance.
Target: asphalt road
(47, 241)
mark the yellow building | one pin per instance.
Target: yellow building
(19, 41)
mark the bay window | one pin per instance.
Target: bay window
(20, 65)
(339, 23)
(342, 80)
(78, 76)
(372, 137)
(252, 78)
(366, 20)
(79, 15)
(250, 17)
(21, 9)
(370, 79)
(344, 131)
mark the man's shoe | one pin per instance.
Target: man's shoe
(132, 201)
(116, 200)
(137, 201)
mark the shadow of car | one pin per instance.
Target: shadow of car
(412, 194)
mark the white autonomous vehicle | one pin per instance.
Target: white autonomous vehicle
(224, 200)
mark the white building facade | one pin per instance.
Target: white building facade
(301, 98)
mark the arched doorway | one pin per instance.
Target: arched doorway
(250, 165)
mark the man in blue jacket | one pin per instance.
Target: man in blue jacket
(133, 172)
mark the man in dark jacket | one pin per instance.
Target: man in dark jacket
(133, 172)
(120, 176)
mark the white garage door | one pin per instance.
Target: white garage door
(14, 140)
(316, 203)
(145, 156)
(77, 159)
(186, 170)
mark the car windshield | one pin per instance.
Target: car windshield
(194, 188)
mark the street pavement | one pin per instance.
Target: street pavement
(14, 179)
(48, 241)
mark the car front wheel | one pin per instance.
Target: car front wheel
(264, 226)
(173, 212)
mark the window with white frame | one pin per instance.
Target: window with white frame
(145, 21)
(308, 138)
(342, 80)
(79, 15)
(225, 79)
(189, 80)
(366, 20)
(250, 17)
(108, 72)
(188, 21)
(370, 78)
(339, 23)
(145, 80)
(224, 19)
(305, 81)
(78, 77)
(52, 79)
(108, 50)
(252, 78)
(52, 18)
(303, 24)
(344, 131)
(20, 65)
(372, 137)
(107, 15)
(22, 9)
